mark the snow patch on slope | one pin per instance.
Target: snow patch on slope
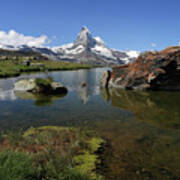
(56, 49)
(133, 54)
(70, 45)
(99, 40)
(103, 51)
(76, 50)
(68, 49)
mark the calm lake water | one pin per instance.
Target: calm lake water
(142, 128)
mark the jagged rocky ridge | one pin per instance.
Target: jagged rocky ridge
(86, 49)
(151, 70)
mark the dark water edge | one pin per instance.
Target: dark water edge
(142, 128)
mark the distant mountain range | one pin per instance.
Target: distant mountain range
(85, 49)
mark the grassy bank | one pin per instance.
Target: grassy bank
(49, 153)
(10, 68)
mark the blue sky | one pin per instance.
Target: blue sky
(122, 24)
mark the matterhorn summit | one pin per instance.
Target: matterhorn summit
(92, 50)
(85, 38)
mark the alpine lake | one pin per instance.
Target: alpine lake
(141, 128)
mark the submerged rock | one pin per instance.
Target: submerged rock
(151, 70)
(39, 85)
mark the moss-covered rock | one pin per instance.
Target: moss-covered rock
(40, 85)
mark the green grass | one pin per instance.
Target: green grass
(16, 165)
(49, 152)
(10, 68)
(21, 166)
(44, 84)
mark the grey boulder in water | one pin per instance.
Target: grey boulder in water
(25, 85)
(39, 85)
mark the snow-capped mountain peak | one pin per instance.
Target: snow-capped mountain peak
(92, 50)
(84, 29)
(85, 49)
(85, 38)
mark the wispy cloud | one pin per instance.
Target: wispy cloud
(16, 39)
(153, 45)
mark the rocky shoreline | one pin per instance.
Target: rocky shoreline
(151, 71)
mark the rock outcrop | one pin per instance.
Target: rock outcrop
(151, 70)
(105, 78)
(25, 85)
(43, 86)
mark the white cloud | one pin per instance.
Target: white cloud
(154, 45)
(16, 39)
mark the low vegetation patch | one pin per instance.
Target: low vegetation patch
(49, 152)
(9, 68)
